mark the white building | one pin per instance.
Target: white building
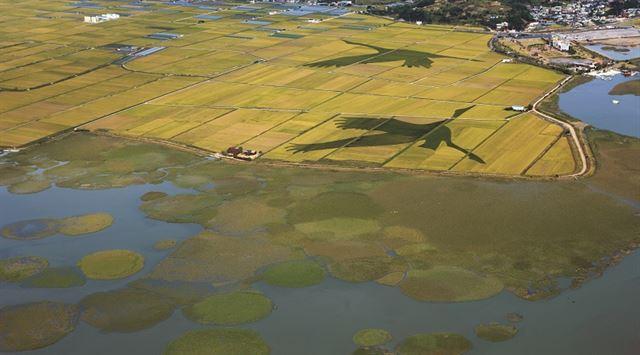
(502, 26)
(561, 43)
(101, 18)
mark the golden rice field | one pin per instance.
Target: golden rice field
(343, 89)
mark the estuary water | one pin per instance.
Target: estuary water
(621, 54)
(602, 317)
(592, 104)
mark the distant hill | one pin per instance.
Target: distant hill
(474, 12)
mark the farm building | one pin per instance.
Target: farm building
(101, 18)
(561, 43)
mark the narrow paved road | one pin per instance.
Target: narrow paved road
(568, 126)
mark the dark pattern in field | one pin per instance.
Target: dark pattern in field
(392, 131)
(411, 58)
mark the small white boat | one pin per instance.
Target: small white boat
(615, 102)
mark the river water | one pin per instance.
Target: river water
(621, 54)
(591, 103)
(602, 317)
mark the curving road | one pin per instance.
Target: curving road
(568, 126)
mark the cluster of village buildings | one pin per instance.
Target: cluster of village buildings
(577, 14)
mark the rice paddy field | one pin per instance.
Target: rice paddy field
(311, 84)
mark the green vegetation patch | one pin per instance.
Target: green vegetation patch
(219, 259)
(29, 186)
(514, 317)
(334, 205)
(35, 325)
(45, 227)
(230, 308)
(165, 244)
(298, 273)
(496, 332)
(391, 279)
(371, 337)
(341, 228)
(85, 224)
(631, 87)
(449, 284)
(396, 237)
(364, 269)
(198, 208)
(19, 268)
(126, 310)
(434, 344)
(224, 341)
(111, 264)
(96, 162)
(30, 229)
(12, 174)
(152, 195)
(180, 292)
(245, 215)
(56, 277)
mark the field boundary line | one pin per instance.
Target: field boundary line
(201, 124)
(479, 144)
(78, 106)
(542, 154)
(45, 59)
(355, 138)
(576, 140)
(271, 128)
(424, 136)
(64, 93)
(303, 132)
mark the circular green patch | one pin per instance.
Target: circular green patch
(496, 332)
(449, 284)
(35, 325)
(29, 186)
(56, 277)
(30, 229)
(19, 268)
(362, 269)
(125, 310)
(514, 317)
(434, 344)
(299, 273)
(218, 341)
(230, 308)
(88, 223)
(111, 264)
(152, 195)
(165, 244)
(371, 337)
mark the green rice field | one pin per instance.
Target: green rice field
(343, 89)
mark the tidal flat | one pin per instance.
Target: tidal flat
(425, 258)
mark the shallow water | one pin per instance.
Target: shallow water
(601, 317)
(634, 52)
(591, 103)
(130, 230)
